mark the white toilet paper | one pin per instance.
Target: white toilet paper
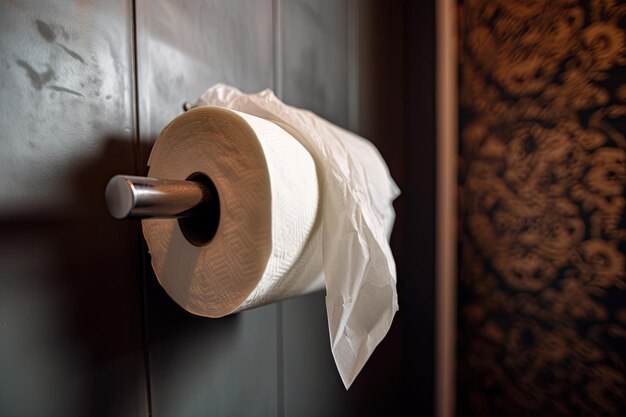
(268, 194)
(304, 204)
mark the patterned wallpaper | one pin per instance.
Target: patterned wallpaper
(542, 283)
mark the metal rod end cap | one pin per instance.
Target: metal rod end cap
(119, 197)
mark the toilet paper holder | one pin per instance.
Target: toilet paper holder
(194, 202)
(132, 196)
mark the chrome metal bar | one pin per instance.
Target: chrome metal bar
(130, 196)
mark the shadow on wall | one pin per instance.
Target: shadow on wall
(542, 302)
(73, 343)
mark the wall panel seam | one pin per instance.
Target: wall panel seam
(277, 87)
(141, 270)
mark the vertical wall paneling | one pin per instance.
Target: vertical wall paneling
(314, 52)
(201, 366)
(396, 111)
(70, 327)
(86, 89)
(417, 286)
(380, 101)
(344, 61)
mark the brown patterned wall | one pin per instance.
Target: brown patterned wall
(542, 286)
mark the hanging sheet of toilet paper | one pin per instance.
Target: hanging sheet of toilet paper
(304, 205)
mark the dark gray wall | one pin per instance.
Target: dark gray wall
(85, 329)
(70, 293)
(199, 366)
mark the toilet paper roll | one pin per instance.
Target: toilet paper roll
(304, 205)
(266, 247)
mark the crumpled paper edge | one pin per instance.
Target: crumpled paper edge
(364, 230)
